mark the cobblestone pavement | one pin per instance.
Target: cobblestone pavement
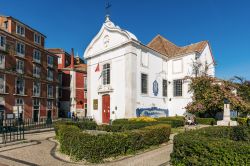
(40, 150)
(37, 150)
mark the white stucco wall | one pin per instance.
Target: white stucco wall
(206, 58)
(128, 58)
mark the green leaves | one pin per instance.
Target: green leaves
(212, 146)
(209, 94)
(94, 148)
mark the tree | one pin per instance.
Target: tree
(243, 88)
(209, 94)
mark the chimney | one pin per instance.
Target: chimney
(72, 58)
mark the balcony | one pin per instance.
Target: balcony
(36, 75)
(50, 78)
(105, 89)
(20, 71)
(36, 95)
(36, 61)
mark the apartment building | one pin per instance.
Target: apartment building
(28, 73)
(72, 75)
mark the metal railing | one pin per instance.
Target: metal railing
(14, 129)
(10, 131)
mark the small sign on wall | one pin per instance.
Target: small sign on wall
(10, 116)
(95, 104)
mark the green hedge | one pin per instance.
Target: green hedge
(83, 125)
(212, 146)
(95, 148)
(123, 127)
(243, 121)
(173, 121)
(206, 121)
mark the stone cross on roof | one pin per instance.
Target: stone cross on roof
(107, 8)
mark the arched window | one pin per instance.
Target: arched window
(106, 74)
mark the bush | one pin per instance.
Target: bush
(243, 121)
(176, 121)
(212, 146)
(142, 119)
(206, 121)
(95, 148)
(83, 125)
(173, 121)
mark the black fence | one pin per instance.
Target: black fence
(14, 129)
(10, 131)
(89, 118)
(30, 124)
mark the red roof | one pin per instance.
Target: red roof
(169, 49)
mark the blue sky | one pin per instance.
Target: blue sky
(73, 23)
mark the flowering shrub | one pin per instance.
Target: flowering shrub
(209, 95)
(143, 119)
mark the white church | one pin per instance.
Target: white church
(127, 78)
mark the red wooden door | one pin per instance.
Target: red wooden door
(105, 108)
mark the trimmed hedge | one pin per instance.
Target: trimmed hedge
(123, 127)
(173, 121)
(133, 126)
(95, 148)
(176, 121)
(212, 146)
(83, 125)
(243, 121)
(206, 121)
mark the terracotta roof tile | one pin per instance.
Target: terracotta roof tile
(170, 50)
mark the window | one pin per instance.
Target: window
(37, 38)
(2, 83)
(66, 62)
(178, 87)
(37, 56)
(36, 104)
(49, 104)
(106, 74)
(49, 75)
(36, 71)
(60, 59)
(20, 30)
(85, 82)
(6, 25)
(36, 89)
(50, 91)
(85, 108)
(2, 61)
(20, 49)
(19, 102)
(60, 78)
(19, 66)
(50, 60)
(144, 83)
(60, 93)
(2, 42)
(164, 88)
(85, 94)
(20, 86)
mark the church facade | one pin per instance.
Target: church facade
(127, 78)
